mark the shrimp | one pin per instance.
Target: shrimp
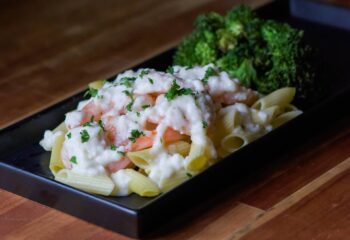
(115, 166)
(170, 136)
(242, 95)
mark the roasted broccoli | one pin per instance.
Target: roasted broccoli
(264, 54)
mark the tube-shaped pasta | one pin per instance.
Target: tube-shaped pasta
(265, 116)
(234, 141)
(173, 181)
(96, 84)
(229, 121)
(198, 157)
(102, 184)
(62, 127)
(225, 122)
(56, 163)
(281, 97)
(141, 158)
(285, 117)
(180, 147)
(290, 107)
(142, 185)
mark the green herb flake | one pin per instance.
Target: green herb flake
(88, 124)
(175, 91)
(129, 105)
(127, 81)
(113, 147)
(189, 175)
(100, 123)
(121, 153)
(170, 70)
(73, 159)
(127, 93)
(92, 92)
(205, 124)
(150, 80)
(143, 73)
(209, 73)
(69, 135)
(135, 134)
(84, 135)
(145, 106)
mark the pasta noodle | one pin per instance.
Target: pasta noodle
(180, 147)
(198, 158)
(102, 185)
(56, 163)
(141, 184)
(285, 117)
(141, 158)
(281, 97)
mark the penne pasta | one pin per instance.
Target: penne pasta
(285, 117)
(141, 185)
(173, 181)
(62, 127)
(56, 163)
(180, 147)
(265, 116)
(141, 158)
(198, 158)
(234, 141)
(102, 184)
(281, 97)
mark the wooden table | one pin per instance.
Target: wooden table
(51, 49)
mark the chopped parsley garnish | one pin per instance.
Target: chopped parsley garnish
(89, 122)
(127, 93)
(129, 105)
(205, 124)
(145, 106)
(170, 70)
(126, 81)
(92, 92)
(100, 123)
(84, 135)
(121, 153)
(69, 135)
(143, 73)
(113, 147)
(175, 91)
(150, 80)
(210, 72)
(189, 175)
(138, 114)
(135, 134)
(73, 159)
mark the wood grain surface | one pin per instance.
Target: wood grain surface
(52, 49)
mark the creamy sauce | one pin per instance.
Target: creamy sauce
(49, 139)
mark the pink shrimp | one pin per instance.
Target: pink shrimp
(242, 95)
(115, 166)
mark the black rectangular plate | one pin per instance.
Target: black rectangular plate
(24, 164)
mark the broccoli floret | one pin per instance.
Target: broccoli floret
(199, 48)
(263, 54)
